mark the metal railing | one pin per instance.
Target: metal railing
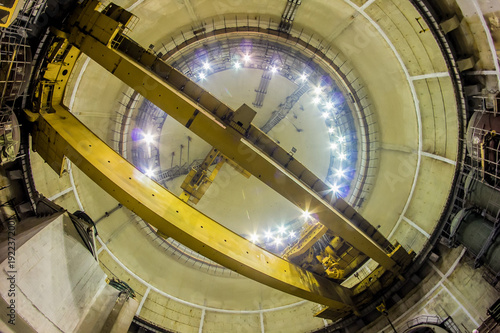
(434, 320)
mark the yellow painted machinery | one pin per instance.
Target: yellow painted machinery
(199, 180)
(8, 11)
(483, 143)
(302, 272)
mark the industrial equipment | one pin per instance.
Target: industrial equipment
(305, 273)
(9, 10)
(483, 144)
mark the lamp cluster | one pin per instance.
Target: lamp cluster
(340, 174)
(148, 139)
(244, 61)
(278, 238)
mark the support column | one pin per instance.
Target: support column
(202, 320)
(146, 294)
(262, 329)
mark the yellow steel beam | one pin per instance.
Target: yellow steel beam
(59, 134)
(217, 124)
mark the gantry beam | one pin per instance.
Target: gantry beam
(99, 36)
(59, 134)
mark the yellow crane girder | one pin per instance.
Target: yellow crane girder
(99, 35)
(59, 134)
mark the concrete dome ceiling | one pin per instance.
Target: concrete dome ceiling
(404, 90)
